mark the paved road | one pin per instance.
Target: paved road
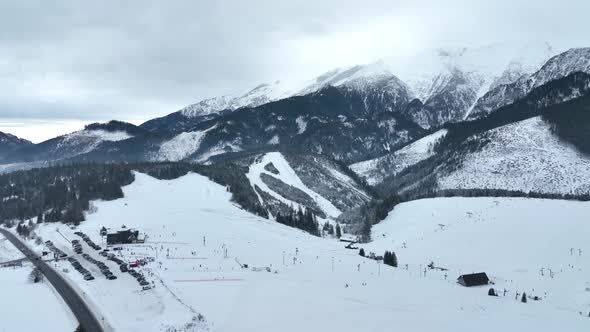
(85, 317)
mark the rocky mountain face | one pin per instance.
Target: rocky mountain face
(564, 64)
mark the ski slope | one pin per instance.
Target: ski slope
(288, 176)
(200, 242)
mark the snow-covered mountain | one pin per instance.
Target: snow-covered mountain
(74, 144)
(212, 107)
(537, 144)
(9, 142)
(350, 114)
(561, 65)
(447, 82)
(337, 122)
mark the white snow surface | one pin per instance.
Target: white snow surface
(193, 221)
(182, 145)
(512, 240)
(523, 156)
(99, 135)
(84, 141)
(8, 251)
(301, 124)
(288, 176)
(20, 297)
(375, 170)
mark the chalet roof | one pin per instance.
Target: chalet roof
(474, 279)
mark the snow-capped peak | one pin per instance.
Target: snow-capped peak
(564, 64)
(261, 94)
(356, 77)
(559, 66)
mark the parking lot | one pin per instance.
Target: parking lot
(84, 260)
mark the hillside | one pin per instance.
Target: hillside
(375, 170)
(285, 182)
(522, 156)
(199, 241)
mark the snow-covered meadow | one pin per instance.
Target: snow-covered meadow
(201, 241)
(26, 306)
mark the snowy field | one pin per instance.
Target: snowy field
(200, 242)
(25, 306)
(523, 156)
(8, 252)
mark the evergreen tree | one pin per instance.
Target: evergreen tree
(362, 252)
(523, 300)
(40, 218)
(338, 231)
(393, 259)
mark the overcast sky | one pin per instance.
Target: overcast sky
(64, 63)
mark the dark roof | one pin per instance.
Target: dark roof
(474, 279)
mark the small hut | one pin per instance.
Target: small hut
(474, 279)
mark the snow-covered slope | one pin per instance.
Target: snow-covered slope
(181, 145)
(200, 242)
(287, 175)
(84, 141)
(375, 170)
(522, 156)
(303, 181)
(524, 245)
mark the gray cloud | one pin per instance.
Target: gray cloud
(98, 60)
